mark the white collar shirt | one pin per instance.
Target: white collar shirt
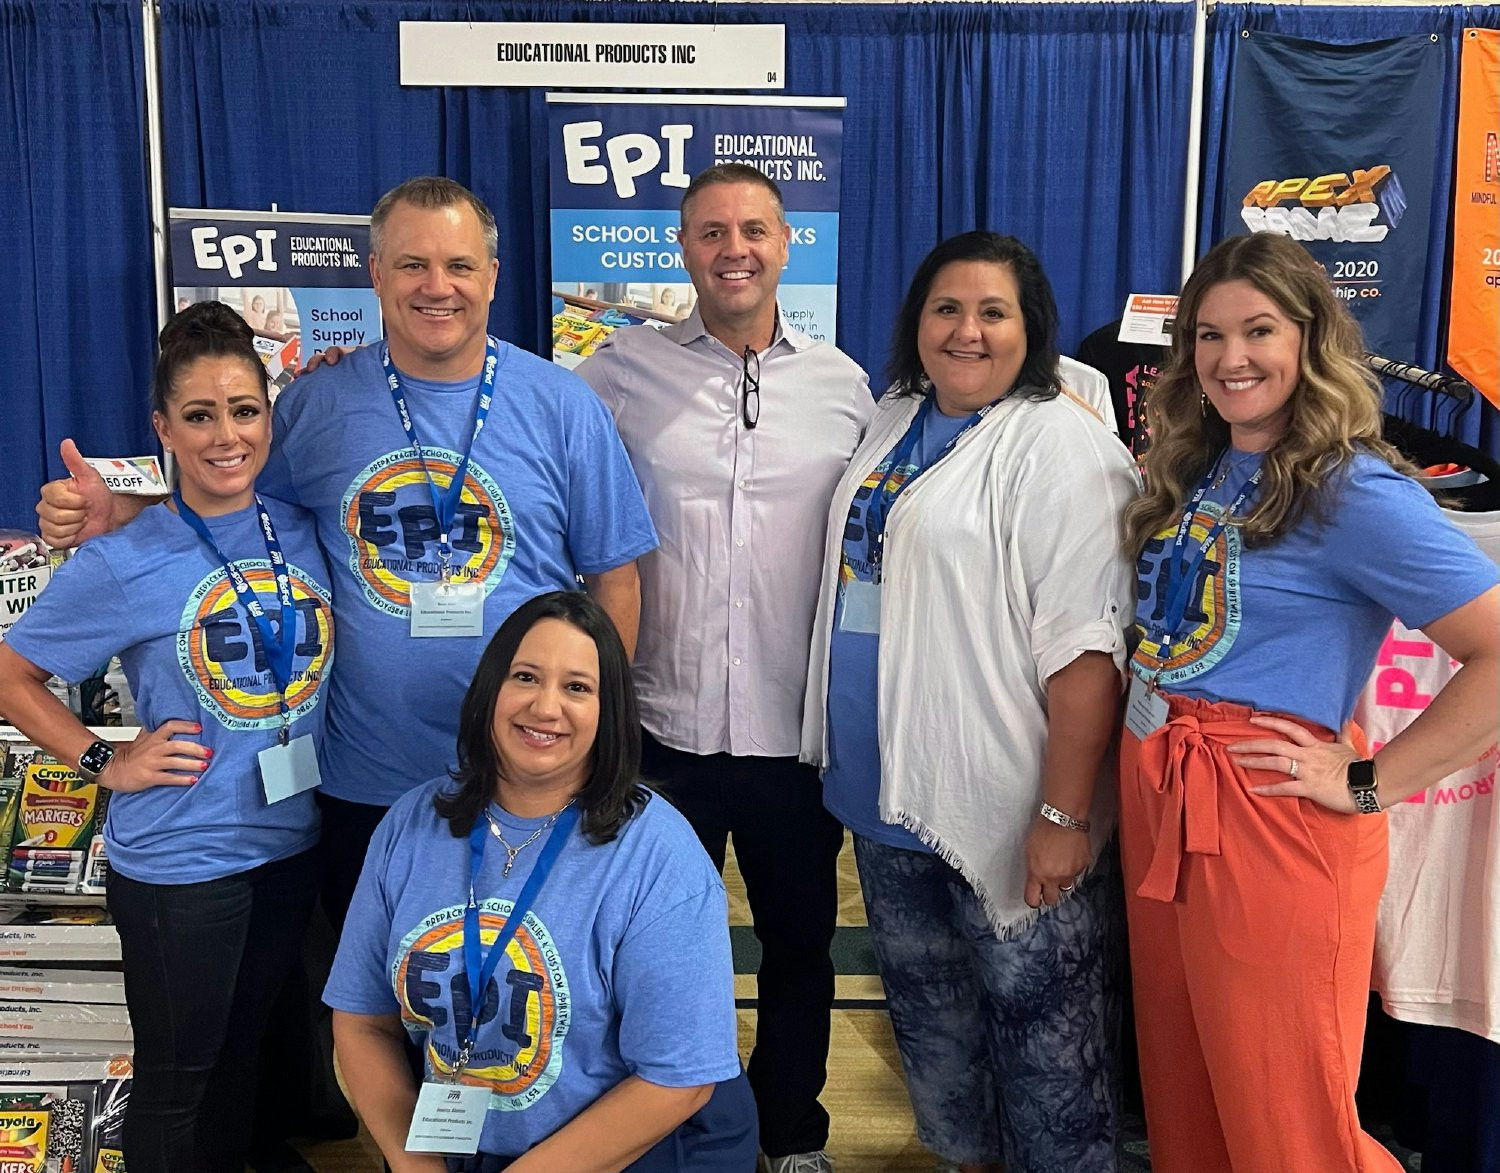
(728, 598)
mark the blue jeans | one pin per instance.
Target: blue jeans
(203, 965)
(1010, 1048)
(720, 1137)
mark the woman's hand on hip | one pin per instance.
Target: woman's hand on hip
(1314, 769)
(1055, 858)
(154, 759)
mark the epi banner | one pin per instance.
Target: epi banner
(1311, 153)
(1474, 295)
(301, 280)
(620, 166)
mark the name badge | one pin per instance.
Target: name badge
(861, 607)
(289, 769)
(1145, 708)
(445, 609)
(449, 1118)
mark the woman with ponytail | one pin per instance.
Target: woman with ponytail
(216, 602)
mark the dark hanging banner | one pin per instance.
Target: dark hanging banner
(1335, 146)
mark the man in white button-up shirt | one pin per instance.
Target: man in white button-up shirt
(739, 428)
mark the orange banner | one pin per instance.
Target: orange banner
(1474, 297)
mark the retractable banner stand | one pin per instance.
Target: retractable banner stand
(1474, 296)
(620, 165)
(1335, 146)
(301, 280)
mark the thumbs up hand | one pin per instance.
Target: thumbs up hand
(79, 507)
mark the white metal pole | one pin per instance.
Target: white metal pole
(156, 187)
(1190, 205)
(156, 179)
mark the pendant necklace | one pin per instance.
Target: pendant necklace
(512, 852)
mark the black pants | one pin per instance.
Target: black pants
(787, 848)
(203, 965)
(347, 828)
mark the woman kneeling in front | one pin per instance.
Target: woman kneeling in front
(552, 936)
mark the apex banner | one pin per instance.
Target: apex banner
(1474, 296)
(1310, 155)
(620, 165)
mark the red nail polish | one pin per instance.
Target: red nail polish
(208, 753)
(195, 777)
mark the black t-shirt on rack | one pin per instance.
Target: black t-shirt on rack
(1132, 368)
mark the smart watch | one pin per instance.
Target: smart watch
(91, 764)
(1361, 778)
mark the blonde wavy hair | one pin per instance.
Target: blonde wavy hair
(1335, 404)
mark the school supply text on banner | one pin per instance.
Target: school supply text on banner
(301, 280)
(620, 166)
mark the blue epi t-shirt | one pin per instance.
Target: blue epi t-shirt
(154, 594)
(621, 967)
(549, 495)
(851, 779)
(1294, 626)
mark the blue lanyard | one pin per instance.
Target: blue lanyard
(881, 500)
(1183, 572)
(445, 503)
(280, 647)
(482, 968)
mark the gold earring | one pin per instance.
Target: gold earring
(1203, 404)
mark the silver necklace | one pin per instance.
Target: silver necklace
(512, 852)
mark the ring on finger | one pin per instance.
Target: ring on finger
(1066, 887)
(1294, 767)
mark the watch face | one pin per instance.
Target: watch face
(95, 758)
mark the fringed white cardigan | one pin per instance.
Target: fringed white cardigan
(1002, 565)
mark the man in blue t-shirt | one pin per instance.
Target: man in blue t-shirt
(370, 448)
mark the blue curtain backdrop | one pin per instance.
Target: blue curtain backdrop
(1063, 124)
(76, 331)
(1343, 25)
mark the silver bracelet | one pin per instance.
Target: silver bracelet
(1063, 819)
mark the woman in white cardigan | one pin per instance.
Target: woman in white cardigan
(963, 690)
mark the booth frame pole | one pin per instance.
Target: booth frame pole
(1190, 209)
(156, 187)
(156, 182)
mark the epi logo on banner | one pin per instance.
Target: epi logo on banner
(631, 156)
(1340, 206)
(233, 252)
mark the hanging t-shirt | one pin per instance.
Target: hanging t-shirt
(1294, 626)
(851, 779)
(549, 495)
(1132, 369)
(154, 594)
(621, 967)
(1437, 939)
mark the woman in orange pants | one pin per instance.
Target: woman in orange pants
(1275, 542)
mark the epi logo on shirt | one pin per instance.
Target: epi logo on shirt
(220, 651)
(393, 527)
(1213, 607)
(527, 1005)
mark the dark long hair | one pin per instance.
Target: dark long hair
(612, 793)
(205, 329)
(1037, 378)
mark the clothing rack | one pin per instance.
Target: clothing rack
(1449, 385)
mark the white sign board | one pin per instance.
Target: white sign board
(18, 591)
(579, 55)
(1148, 318)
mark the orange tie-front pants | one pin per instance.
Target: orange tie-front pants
(1252, 926)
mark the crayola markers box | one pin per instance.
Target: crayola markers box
(57, 809)
(23, 1134)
